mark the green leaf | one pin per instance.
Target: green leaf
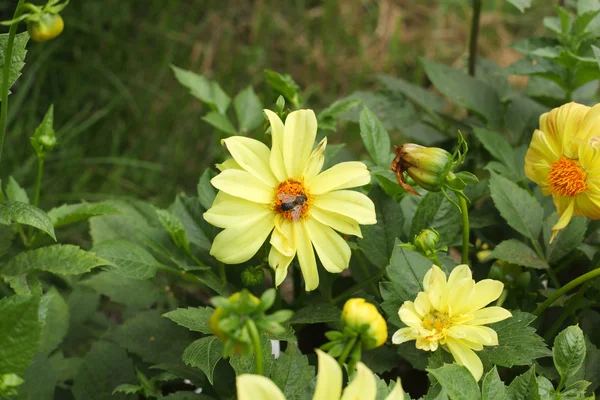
(576, 391)
(375, 138)
(434, 211)
(206, 191)
(538, 67)
(567, 238)
(590, 370)
(128, 259)
(195, 319)
(71, 213)
(545, 388)
(501, 150)
(204, 353)
(20, 330)
(568, 352)
(466, 91)
(492, 387)
(220, 121)
(329, 116)
(62, 259)
(14, 192)
(518, 344)
(458, 382)
(516, 252)
(285, 85)
(131, 292)
(189, 211)
(104, 367)
(17, 61)
(292, 373)
(316, 313)
(521, 210)
(55, 313)
(186, 396)
(246, 364)
(153, 338)
(249, 110)
(524, 387)
(203, 89)
(175, 228)
(40, 380)
(423, 98)
(22, 213)
(522, 5)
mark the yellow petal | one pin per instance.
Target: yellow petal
(244, 185)
(276, 156)
(465, 356)
(230, 163)
(435, 285)
(588, 205)
(460, 295)
(459, 273)
(352, 204)
(341, 176)
(489, 315)
(477, 334)
(565, 215)
(280, 263)
(333, 251)
(299, 136)
(329, 378)
(404, 335)
(422, 304)
(306, 256)
(254, 387)
(562, 124)
(363, 386)
(253, 156)
(228, 211)
(316, 160)
(339, 222)
(409, 316)
(238, 244)
(540, 156)
(397, 393)
(485, 292)
(283, 236)
(590, 125)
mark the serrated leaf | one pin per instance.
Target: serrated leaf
(516, 252)
(14, 192)
(575, 391)
(20, 330)
(492, 387)
(501, 150)
(316, 313)
(62, 259)
(568, 352)
(105, 367)
(189, 211)
(246, 364)
(434, 211)
(518, 344)
(204, 353)
(220, 121)
(71, 213)
(423, 98)
(406, 270)
(523, 387)
(285, 85)
(203, 89)
(522, 5)
(128, 259)
(18, 56)
(375, 137)
(175, 228)
(249, 110)
(22, 213)
(328, 117)
(55, 313)
(292, 373)
(590, 370)
(195, 319)
(458, 382)
(520, 209)
(567, 238)
(131, 292)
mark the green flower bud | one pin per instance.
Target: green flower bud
(427, 166)
(253, 276)
(426, 241)
(48, 27)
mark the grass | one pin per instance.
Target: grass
(126, 128)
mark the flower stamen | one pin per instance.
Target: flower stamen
(292, 200)
(567, 178)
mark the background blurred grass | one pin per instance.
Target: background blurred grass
(125, 126)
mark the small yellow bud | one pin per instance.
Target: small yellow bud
(48, 27)
(364, 318)
(427, 166)
(426, 241)
(221, 313)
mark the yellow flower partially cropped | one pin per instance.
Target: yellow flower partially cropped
(329, 384)
(452, 314)
(282, 190)
(563, 160)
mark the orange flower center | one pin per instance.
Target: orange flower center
(436, 321)
(292, 200)
(567, 178)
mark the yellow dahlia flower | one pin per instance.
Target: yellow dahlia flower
(452, 314)
(562, 159)
(282, 190)
(329, 384)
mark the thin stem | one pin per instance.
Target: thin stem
(364, 269)
(474, 36)
(350, 291)
(502, 298)
(5, 74)
(465, 236)
(255, 337)
(347, 349)
(574, 283)
(436, 260)
(567, 311)
(222, 273)
(550, 272)
(38, 185)
(186, 276)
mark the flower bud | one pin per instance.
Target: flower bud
(426, 241)
(253, 276)
(48, 27)
(222, 314)
(427, 166)
(364, 319)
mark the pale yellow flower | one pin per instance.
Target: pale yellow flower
(363, 317)
(563, 160)
(329, 384)
(282, 190)
(451, 313)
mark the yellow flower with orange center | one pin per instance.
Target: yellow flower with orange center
(563, 160)
(283, 193)
(452, 314)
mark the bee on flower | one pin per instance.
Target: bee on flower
(282, 192)
(329, 384)
(452, 313)
(563, 160)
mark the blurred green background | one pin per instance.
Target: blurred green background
(127, 128)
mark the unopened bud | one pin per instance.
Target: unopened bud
(427, 166)
(426, 241)
(364, 319)
(253, 276)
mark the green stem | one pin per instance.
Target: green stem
(222, 273)
(465, 234)
(565, 313)
(502, 298)
(186, 276)
(38, 186)
(573, 284)
(255, 337)
(550, 272)
(474, 36)
(350, 291)
(346, 351)
(5, 74)
(436, 260)
(365, 270)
